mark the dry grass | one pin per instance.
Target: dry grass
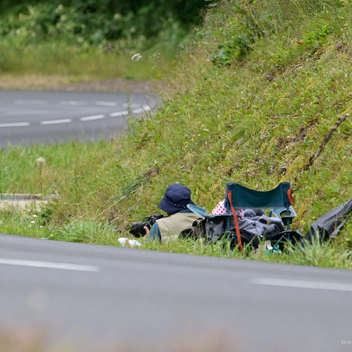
(72, 83)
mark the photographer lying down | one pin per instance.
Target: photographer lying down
(174, 203)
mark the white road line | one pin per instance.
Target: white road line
(138, 111)
(105, 103)
(14, 124)
(31, 102)
(335, 286)
(143, 109)
(119, 113)
(90, 118)
(73, 102)
(49, 265)
(52, 122)
(127, 105)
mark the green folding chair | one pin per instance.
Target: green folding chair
(279, 200)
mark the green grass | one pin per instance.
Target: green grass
(79, 63)
(255, 116)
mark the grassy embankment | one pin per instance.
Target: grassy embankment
(257, 112)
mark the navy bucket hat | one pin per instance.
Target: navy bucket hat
(175, 199)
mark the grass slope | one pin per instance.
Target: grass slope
(263, 97)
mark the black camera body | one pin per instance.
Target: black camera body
(137, 228)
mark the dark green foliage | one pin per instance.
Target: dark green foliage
(95, 20)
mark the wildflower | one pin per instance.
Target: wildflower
(192, 139)
(97, 164)
(173, 63)
(41, 160)
(34, 216)
(32, 222)
(101, 187)
(186, 142)
(313, 217)
(136, 57)
(344, 170)
(0, 221)
(51, 235)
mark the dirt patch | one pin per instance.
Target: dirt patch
(110, 85)
(59, 83)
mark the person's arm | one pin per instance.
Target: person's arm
(154, 233)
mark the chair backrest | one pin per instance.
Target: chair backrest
(246, 198)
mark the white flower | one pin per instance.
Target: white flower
(34, 216)
(41, 160)
(32, 222)
(136, 57)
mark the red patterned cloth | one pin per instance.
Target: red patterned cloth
(220, 209)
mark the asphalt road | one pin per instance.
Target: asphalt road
(31, 117)
(109, 296)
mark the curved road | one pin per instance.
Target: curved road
(31, 117)
(103, 298)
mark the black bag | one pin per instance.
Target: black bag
(330, 223)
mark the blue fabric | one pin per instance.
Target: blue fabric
(175, 199)
(154, 233)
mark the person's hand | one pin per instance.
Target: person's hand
(146, 230)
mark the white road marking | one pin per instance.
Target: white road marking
(31, 102)
(127, 105)
(73, 102)
(137, 111)
(14, 124)
(143, 109)
(90, 118)
(119, 113)
(105, 103)
(52, 122)
(49, 265)
(335, 286)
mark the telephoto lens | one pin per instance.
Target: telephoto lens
(137, 228)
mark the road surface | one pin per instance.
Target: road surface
(98, 296)
(32, 117)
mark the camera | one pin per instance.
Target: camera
(137, 228)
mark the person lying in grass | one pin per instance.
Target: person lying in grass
(179, 218)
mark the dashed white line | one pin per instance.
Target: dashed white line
(14, 124)
(85, 118)
(137, 111)
(303, 284)
(31, 102)
(119, 113)
(52, 122)
(49, 265)
(73, 102)
(90, 118)
(105, 103)
(127, 105)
